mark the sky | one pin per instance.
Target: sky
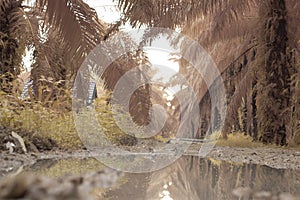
(106, 9)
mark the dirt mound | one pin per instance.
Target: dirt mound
(33, 142)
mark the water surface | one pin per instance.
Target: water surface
(189, 177)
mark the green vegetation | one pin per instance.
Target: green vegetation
(239, 139)
(111, 130)
(35, 120)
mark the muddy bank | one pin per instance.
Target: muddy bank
(96, 183)
(22, 142)
(14, 161)
(35, 148)
(272, 157)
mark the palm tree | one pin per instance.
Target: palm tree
(273, 73)
(13, 36)
(254, 43)
(71, 27)
(230, 32)
(62, 33)
(72, 30)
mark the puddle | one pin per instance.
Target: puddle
(188, 178)
(72, 166)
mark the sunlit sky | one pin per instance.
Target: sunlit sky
(106, 9)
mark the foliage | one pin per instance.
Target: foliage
(273, 76)
(259, 91)
(239, 139)
(37, 122)
(13, 35)
(73, 30)
(49, 120)
(254, 43)
(107, 121)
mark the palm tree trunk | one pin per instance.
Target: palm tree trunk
(273, 94)
(11, 43)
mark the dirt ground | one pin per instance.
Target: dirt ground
(272, 157)
(79, 186)
(280, 158)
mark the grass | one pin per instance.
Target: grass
(32, 119)
(105, 117)
(239, 139)
(37, 119)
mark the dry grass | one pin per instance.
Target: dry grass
(31, 118)
(37, 120)
(40, 119)
(34, 118)
(111, 130)
(239, 139)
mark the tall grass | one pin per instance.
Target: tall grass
(48, 118)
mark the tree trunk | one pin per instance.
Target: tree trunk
(273, 94)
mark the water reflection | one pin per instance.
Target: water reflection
(194, 178)
(191, 178)
(61, 167)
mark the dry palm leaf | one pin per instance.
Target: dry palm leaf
(78, 25)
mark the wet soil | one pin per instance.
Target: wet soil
(79, 186)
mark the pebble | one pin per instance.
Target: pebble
(297, 153)
(246, 192)
(287, 196)
(262, 195)
(241, 192)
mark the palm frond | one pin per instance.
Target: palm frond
(13, 36)
(78, 25)
(172, 13)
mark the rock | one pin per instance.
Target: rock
(287, 196)
(13, 188)
(241, 192)
(10, 146)
(296, 153)
(262, 195)
(43, 144)
(20, 140)
(77, 187)
(127, 140)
